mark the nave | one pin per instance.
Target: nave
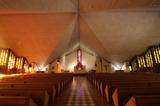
(92, 89)
(112, 46)
(80, 93)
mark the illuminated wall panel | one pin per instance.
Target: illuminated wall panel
(8, 60)
(149, 58)
(141, 62)
(26, 66)
(134, 64)
(19, 62)
(22, 64)
(4, 56)
(11, 60)
(156, 54)
(32, 68)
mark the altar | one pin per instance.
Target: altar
(79, 68)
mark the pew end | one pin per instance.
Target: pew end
(131, 102)
(101, 88)
(53, 94)
(107, 93)
(46, 99)
(115, 97)
(144, 100)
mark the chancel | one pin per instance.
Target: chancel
(79, 52)
(79, 68)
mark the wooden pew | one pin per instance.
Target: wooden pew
(16, 101)
(144, 100)
(147, 77)
(55, 84)
(122, 94)
(122, 77)
(112, 85)
(38, 78)
(42, 78)
(40, 97)
(42, 86)
(43, 82)
(123, 80)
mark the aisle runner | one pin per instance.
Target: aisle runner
(81, 97)
(80, 94)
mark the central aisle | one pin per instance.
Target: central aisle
(80, 93)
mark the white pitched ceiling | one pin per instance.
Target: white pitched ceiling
(42, 30)
(34, 36)
(64, 44)
(32, 6)
(105, 5)
(89, 38)
(123, 34)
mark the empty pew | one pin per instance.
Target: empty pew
(107, 83)
(122, 94)
(16, 101)
(49, 87)
(54, 84)
(35, 82)
(58, 80)
(144, 100)
(119, 76)
(124, 77)
(40, 97)
(110, 86)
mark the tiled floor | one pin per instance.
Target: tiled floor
(80, 93)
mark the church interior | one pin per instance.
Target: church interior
(79, 52)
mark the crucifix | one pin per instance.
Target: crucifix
(79, 56)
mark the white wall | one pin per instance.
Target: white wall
(71, 61)
(88, 61)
